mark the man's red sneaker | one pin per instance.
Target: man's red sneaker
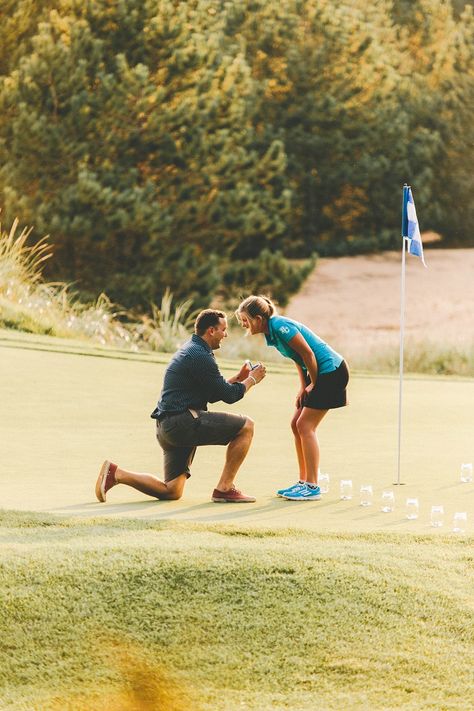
(106, 480)
(233, 496)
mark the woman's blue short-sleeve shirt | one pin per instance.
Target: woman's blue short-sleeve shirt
(283, 329)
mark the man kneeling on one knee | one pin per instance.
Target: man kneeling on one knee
(183, 422)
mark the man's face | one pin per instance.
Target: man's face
(217, 333)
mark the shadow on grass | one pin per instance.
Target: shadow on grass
(93, 508)
(202, 512)
(457, 485)
(347, 510)
(406, 522)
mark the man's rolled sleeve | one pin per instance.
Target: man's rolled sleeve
(207, 373)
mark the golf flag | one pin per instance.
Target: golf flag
(410, 226)
(411, 236)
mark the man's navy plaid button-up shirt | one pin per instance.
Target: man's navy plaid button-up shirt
(192, 379)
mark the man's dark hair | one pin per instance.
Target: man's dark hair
(207, 318)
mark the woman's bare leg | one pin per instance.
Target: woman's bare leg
(298, 445)
(306, 426)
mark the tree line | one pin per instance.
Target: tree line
(198, 145)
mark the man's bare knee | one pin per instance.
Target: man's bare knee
(174, 488)
(246, 431)
(249, 427)
(172, 495)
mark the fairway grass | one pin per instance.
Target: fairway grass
(127, 615)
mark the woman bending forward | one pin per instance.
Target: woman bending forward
(323, 375)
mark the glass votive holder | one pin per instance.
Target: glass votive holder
(323, 482)
(459, 522)
(437, 516)
(466, 472)
(346, 489)
(388, 501)
(366, 495)
(412, 508)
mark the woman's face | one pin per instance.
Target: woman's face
(253, 325)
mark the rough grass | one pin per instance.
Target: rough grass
(134, 615)
(29, 304)
(420, 356)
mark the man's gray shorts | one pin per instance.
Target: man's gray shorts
(180, 434)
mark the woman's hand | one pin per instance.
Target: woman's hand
(300, 398)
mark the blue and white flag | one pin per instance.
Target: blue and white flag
(410, 226)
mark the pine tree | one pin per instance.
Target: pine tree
(137, 152)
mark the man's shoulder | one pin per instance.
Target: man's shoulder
(194, 350)
(182, 353)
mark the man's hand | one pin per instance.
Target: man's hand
(243, 372)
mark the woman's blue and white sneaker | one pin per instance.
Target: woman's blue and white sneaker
(306, 493)
(290, 489)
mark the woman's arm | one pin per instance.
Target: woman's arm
(301, 375)
(302, 390)
(301, 347)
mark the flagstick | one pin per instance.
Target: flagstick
(402, 338)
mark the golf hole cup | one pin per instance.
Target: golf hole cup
(466, 472)
(366, 495)
(459, 522)
(412, 508)
(323, 481)
(346, 489)
(388, 501)
(437, 516)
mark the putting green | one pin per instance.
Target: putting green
(67, 406)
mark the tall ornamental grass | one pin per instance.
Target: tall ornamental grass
(167, 325)
(29, 303)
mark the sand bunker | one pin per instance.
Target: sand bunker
(354, 302)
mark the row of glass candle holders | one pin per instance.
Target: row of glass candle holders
(411, 504)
